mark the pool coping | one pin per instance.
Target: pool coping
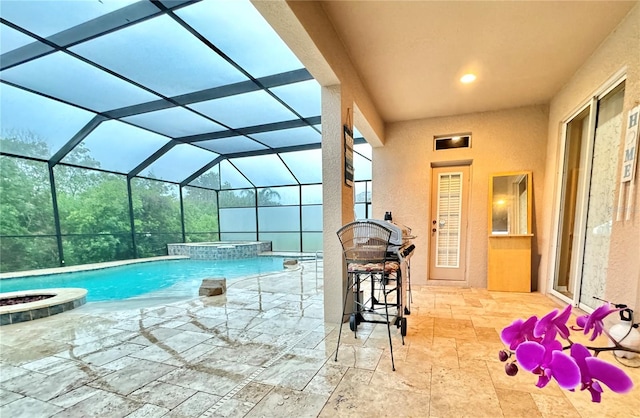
(64, 299)
(85, 267)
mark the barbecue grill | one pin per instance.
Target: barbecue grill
(376, 252)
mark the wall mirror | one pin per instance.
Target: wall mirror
(510, 203)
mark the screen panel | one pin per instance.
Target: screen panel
(28, 253)
(279, 219)
(243, 110)
(237, 220)
(305, 165)
(282, 241)
(265, 170)
(241, 32)
(25, 198)
(97, 149)
(34, 126)
(179, 163)
(312, 218)
(163, 62)
(93, 88)
(311, 242)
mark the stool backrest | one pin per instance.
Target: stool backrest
(364, 241)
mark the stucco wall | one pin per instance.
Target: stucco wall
(619, 51)
(509, 140)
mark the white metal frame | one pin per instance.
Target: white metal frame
(582, 198)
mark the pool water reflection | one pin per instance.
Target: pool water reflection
(168, 278)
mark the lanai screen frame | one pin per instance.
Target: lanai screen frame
(38, 42)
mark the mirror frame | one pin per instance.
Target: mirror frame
(528, 175)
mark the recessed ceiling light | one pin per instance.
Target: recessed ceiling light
(468, 78)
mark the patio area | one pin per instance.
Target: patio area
(263, 349)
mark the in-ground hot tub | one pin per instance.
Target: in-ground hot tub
(219, 250)
(57, 301)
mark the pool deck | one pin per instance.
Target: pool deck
(264, 350)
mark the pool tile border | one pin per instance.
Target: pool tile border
(83, 267)
(219, 250)
(64, 299)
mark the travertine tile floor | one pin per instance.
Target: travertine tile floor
(263, 349)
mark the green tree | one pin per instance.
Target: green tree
(26, 210)
(156, 211)
(237, 198)
(73, 181)
(200, 211)
(268, 197)
(100, 212)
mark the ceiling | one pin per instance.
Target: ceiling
(411, 54)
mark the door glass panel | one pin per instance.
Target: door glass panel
(449, 210)
(602, 188)
(577, 130)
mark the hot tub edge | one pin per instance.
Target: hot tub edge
(64, 299)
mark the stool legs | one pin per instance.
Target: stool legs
(353, 290)
(386, 309)
(344, 307)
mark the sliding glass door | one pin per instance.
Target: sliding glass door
(585, 216)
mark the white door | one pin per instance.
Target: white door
(448, 223)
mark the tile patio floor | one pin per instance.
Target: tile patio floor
(263, 349)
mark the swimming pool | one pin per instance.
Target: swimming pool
(168, 278)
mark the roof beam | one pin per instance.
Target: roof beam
(268, 127)
(76, 139)
(118, 19)
(151, 159)
(276, 80)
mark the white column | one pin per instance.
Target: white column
(337, 197)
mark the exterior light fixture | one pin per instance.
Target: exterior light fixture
(468, 78)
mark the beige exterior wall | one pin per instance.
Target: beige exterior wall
(510, 140)
(516, 139)
(620, 51)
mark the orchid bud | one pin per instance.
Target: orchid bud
(511, 369)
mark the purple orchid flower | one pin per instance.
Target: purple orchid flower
(518, 332)
(548, 361)
(551, 325)
(595, 321)
(593, 369)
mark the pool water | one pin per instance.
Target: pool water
(169, 278)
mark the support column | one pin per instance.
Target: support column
(337, 197)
